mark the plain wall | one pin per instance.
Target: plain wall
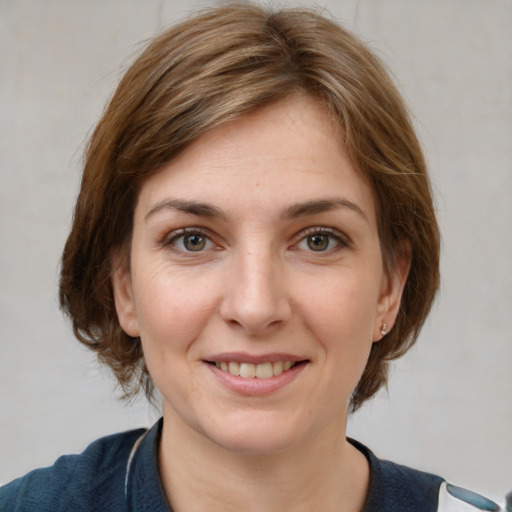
(448, 409)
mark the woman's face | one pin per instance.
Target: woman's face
(256, 250)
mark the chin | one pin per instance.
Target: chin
(254, 436)
(255, 443)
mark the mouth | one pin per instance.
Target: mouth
(256, 375)
(264, 370)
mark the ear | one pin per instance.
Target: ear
(393, 283)
(124, 298)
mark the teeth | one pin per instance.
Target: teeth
(264, 371)
(247, 370)
(277, 368)
(234, 368)
(260, 371)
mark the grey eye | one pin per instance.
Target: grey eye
(194, 242)
(318, 242)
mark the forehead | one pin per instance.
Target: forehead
(287, 152)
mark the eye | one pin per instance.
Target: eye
(321, 241)
(318, 242)
(193, 241)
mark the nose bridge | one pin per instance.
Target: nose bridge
(256, 297)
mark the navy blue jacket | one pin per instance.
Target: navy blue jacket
(119, 473)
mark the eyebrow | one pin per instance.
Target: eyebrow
(294, 211)
(321, 205)
(190, 207)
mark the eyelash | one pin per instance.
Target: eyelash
(340, 240)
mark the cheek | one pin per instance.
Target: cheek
(173, 311)
(172, 308)
(339, 315)
(340, 307)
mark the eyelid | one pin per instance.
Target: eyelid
(324, 230)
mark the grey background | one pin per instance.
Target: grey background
(449, 406)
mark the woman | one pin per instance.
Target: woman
(254, 237)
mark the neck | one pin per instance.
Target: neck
(325, 474)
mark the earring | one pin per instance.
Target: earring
(384, 329)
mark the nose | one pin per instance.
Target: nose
(256, 297)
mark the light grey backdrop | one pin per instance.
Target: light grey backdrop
(449, 406)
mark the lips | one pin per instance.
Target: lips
(264, 370)
(255, 375)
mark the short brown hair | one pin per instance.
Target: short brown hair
(217, 66)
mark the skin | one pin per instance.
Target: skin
(258, 287)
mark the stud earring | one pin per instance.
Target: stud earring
(384, 329)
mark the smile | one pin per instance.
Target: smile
(256, 375)
(258, 371)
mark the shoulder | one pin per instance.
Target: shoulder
(75, 482)
(416, 487)
(397, 488)
(404, 488)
